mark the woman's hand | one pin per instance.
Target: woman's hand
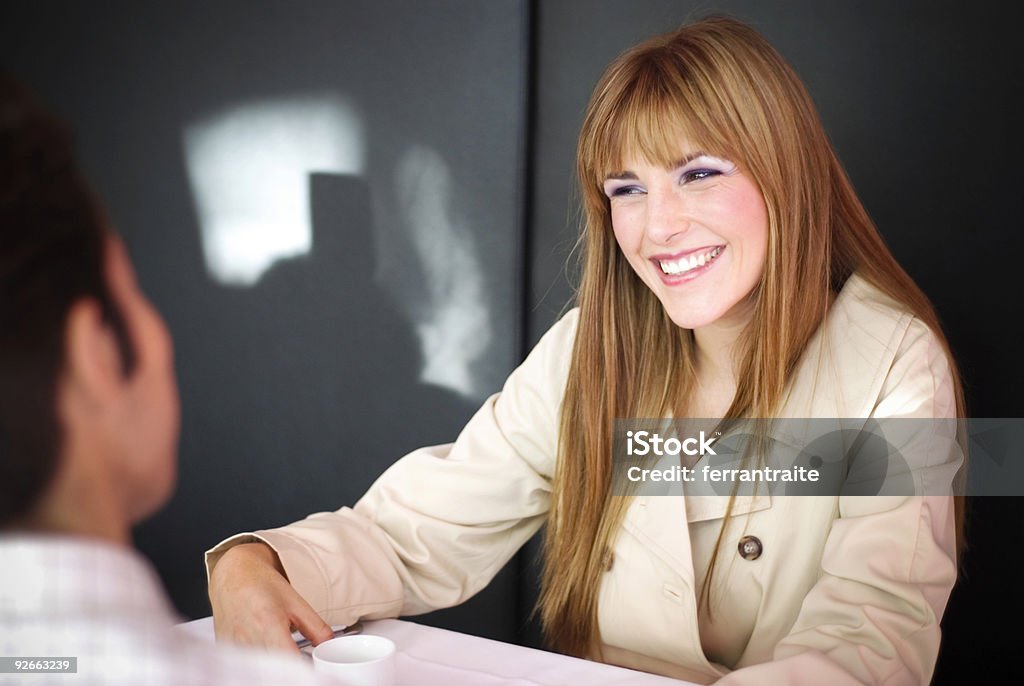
(253, 603)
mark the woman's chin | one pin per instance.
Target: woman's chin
(690, 319)
(724, 307)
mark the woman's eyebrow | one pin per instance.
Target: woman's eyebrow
(681, 162)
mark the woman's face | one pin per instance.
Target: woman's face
(696, 233)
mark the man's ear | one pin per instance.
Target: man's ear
(92, 359)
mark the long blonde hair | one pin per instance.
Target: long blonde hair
(718, 85)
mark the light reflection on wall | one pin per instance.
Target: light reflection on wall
(456, 330)
(249, 166)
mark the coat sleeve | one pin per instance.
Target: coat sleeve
(889, 562)
(437, 526)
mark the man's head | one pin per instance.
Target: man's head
(88, 402)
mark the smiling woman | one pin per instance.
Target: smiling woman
(703, 143)
(696, 233)
(729, 272)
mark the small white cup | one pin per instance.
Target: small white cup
(361, 660)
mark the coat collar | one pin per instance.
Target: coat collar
(840, 375)
(844, 366)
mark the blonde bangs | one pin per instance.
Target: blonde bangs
(653, 113)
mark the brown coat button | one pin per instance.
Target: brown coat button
(750, 547)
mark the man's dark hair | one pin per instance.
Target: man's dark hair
(52, 245)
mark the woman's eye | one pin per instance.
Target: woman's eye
(699, 174)
(624, 191)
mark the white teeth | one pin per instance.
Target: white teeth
(685, 264)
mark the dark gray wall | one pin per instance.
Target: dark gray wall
(300, 388)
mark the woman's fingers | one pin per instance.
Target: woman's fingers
(305, 619)
(253, 603)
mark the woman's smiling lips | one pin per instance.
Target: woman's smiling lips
(685, 265)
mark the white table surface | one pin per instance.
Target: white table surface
(435, 657)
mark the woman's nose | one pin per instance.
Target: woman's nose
(666, 216)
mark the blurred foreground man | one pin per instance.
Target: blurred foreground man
(88, 435)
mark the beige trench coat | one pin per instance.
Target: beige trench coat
(846, 589)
